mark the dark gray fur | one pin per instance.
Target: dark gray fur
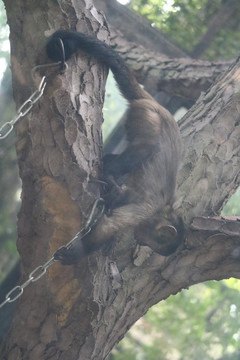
(151, 160)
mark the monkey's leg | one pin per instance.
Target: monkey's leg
(129, 160)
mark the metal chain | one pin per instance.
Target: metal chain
(95, 214)
(93, 218)
(5, 130)
(24, 109)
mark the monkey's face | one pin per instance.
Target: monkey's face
(163, 234)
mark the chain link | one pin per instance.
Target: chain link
(95, 214)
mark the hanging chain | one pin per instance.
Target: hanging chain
(95, 214)
(98, 206)
(24, 109)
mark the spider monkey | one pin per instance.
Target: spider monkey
(149, 163)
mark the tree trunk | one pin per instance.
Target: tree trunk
(82, 311)
(56, 196)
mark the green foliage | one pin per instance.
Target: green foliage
(233, 205)
(4, 44)
(200, 323)
(9, 181)
(186, 21)
(114, 106)
(183, 21)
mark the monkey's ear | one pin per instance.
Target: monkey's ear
(163, 237)
(166, 231)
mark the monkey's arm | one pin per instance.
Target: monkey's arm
(107, 227)
(163, 234)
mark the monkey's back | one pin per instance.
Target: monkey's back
(154, 181)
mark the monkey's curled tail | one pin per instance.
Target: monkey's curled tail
(73, 41)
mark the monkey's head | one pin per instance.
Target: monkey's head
(163, 233)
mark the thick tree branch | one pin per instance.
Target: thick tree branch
(210, 131)
(164, 67)
(207, 254)
(228, 225)
(183, 77)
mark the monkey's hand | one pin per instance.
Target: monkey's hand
(80, 249)
(115, 195)
(72, 255)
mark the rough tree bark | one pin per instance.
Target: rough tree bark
(82, 311)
